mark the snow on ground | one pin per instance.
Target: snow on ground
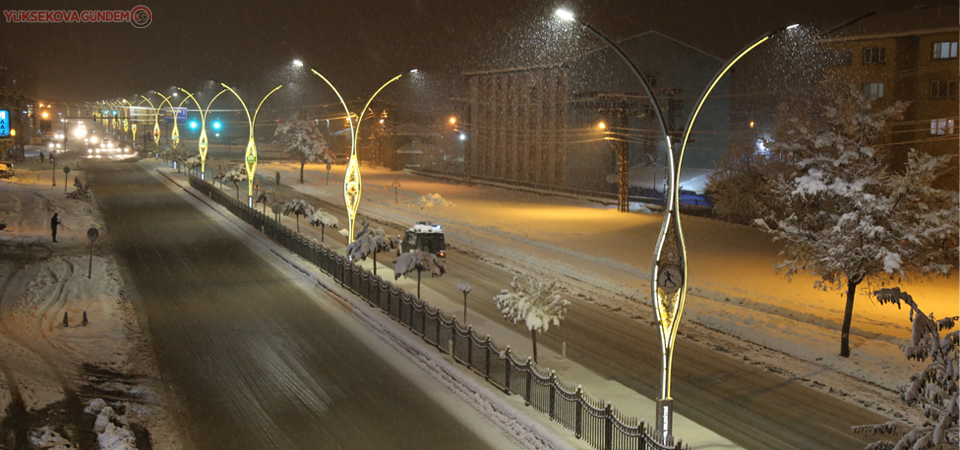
(42, 357)
(736, 298)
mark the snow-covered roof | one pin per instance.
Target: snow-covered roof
(426, 227)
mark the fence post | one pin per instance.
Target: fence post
(641, 443)
(679, 444)
(553, 395)
(423, 319)
(453, 337)
(439, 318)
(486, 370)
(578, 427)
(608, 427)
(506, 382)
(529, 380)
(470, 346)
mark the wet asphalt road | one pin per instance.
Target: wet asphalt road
(257, 364)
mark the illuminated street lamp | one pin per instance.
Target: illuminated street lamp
(202, 143)
(669, 275)
(250, 160)
(351, 179)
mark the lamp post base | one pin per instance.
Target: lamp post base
(665, 418)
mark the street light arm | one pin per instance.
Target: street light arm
(257, 111)
(636, 71)
(703, 98)
(347, 110)
(364, 110)
(241, 103)
(207, 111)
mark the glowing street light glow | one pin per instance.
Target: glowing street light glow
(453, 120)
(565, 14)
(793, 26)
(601, 125)
(298, 63)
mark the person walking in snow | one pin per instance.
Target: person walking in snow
(54, 222)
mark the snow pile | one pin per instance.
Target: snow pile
(432, 200)
(113, 431)
(49, 439)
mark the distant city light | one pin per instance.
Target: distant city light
(194, 125)
(463, 137)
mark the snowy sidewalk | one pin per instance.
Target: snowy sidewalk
(626, 400)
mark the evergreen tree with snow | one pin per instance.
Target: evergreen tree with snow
(368, 241)
(535, 302)
(845, 217)
(298, 208)
(418, 261)
(303, 140)
(323, 219)
(934, 389)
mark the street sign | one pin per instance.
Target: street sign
(181, 115)
(93, 234)
(396, 183)
(4, 123)
(669, 279)
(256, 185)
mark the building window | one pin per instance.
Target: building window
(873, 90)
(943, 89)
(944, 50)
(874, 55)
(941, 126)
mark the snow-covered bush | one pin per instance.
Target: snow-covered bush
(369, 241)
(845, 217)
(235, 176)
(298, 208)
(417, 261)
(534, 301)
(934, 390)
(323, 219)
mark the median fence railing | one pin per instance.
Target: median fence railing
(590, 419)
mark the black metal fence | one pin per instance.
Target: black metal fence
(590, 419)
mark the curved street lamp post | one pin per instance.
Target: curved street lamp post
(351, 179)
(668, 282)
(250, 160)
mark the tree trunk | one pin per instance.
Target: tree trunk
(533, 335)
(848, 317)
(238, 191)
(322, 229)
(418, 285)
(303, 162)
(298, 222)
(328, 176)
(374, 262)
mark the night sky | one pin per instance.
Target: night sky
(360, 44)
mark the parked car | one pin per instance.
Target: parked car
(6, 169)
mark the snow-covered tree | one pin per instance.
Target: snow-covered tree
(323, 219)
(740, 187)
(192, 163)
(303, 140)
(419, 262)
(534, 301)
(846, 217)
(220, 168)
(933, 390)
(236, 176)
(298, 208)
(369, 241)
